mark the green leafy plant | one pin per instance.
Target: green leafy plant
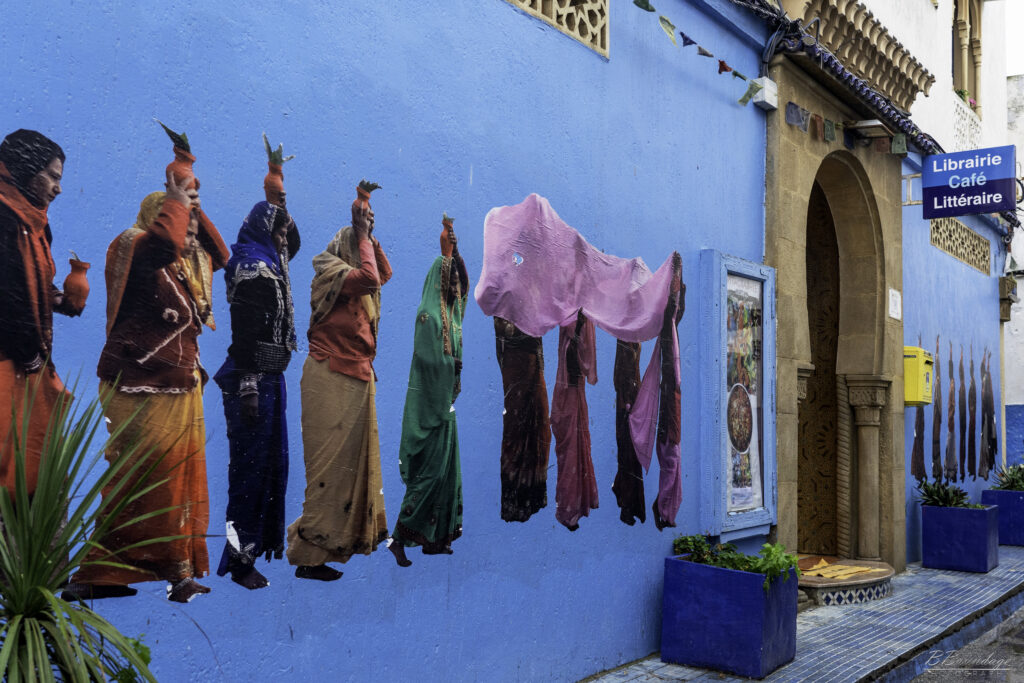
(944, 495)
(962, 93)
(47, 535)
(772, 560)
(1010, 479)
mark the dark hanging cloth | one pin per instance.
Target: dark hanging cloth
(917, 452)
(989, 439)
(526, 432)
(917, 469)
(949, 465)
(972, 412)
(937, 418)
(963, 419)
(629, 480)
(262, 341)
(666, 505)
(576, 486)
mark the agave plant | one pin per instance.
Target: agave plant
(943, 494)
(47, 535)
(1010, 479)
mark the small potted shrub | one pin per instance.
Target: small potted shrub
(1008, 494)
(954, 533)
(729, 611)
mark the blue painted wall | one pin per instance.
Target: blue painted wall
(451, 106)
(1015, 434)
(946, 297)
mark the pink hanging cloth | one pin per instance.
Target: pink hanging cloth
(540, 273)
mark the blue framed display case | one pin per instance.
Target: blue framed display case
(738, 477)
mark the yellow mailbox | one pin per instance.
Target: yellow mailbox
(918, 375)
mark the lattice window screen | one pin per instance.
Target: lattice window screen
(587, 22)
(962, 243)
(966, 126)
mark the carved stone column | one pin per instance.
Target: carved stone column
(867, 397)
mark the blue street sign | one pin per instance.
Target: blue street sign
(976, 181)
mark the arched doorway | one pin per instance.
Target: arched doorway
(860, 187)
(840, 414)
(818, 413)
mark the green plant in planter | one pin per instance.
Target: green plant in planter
(772, 561)
(943, 495)
(1010, 479)
(46, 536)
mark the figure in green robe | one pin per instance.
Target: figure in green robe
(431, 512)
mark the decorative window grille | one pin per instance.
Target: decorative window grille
(587, 21)
(966, 126)
(962, 243)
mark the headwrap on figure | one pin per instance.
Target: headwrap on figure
(25, 153)
(254, 255)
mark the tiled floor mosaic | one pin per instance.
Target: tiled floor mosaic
(848, 643)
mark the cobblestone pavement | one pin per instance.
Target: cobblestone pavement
(998, 655)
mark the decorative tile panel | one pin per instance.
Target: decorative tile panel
(584, 20)
(962, 243)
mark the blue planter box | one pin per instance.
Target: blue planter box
(961, 539)
(724, 619)
(1011, 514)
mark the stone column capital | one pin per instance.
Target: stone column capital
(868, 390)
(803, 372)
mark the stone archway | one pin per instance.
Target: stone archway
(861, 189)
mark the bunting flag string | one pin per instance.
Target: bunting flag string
(826, 130)
(723, 67)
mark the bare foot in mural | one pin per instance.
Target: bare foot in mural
(320, 572)
(398, 550)
(252, 580)
(185, 590)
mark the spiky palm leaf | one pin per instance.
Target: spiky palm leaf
(942, 494)
(1010, 479)
(45, 537)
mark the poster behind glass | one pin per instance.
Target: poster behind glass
(743, 388)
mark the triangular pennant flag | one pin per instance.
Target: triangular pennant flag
(644, 5)
(703, 53)
(899, 144)
(668, 28)
(687, 40)
(723, 67)
(737, 74)
(830, 131)
(752, 88)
